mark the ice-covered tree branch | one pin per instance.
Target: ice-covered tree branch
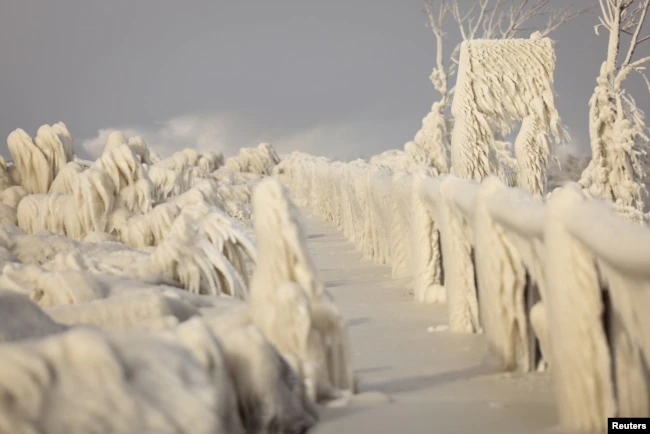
(635, 36)
(436, 17)
(617, 128)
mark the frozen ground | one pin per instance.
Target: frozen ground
(439, 382)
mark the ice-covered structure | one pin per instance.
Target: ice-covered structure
(289, 302)
(38, 161)
(184, 211)
(558, 286)
(125, 296)
(451, 202)
(555, 282)
(501, 83)
(260, 160)
(618, 134)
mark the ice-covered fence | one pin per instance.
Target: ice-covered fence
(425, 249)
(370, 204)
(450, 202)
(508, 228)
(598, 276)
(564, 283)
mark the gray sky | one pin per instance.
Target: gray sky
(338, 78)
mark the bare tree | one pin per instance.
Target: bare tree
(616, 126)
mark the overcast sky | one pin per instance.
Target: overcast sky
(337, 78)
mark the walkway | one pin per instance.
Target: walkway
(440, 382)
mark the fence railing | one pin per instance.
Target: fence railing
(563, 283)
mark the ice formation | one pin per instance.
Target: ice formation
(434, 136)
(617, 130)
(186, 213)
(507, 287)
(426, 253)
(501, 82)
(178, 294)
(604, 260)
(289, 302)
(555, 281)
(260, 160)
(443, 196)
(559, 285)
(130, 275)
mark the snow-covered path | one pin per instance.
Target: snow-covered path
(439, 382)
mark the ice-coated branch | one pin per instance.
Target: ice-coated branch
(617, 129)
(635, 37)
(435, 21)
(504, 19)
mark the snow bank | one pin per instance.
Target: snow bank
(146, 384)
(22, 319)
